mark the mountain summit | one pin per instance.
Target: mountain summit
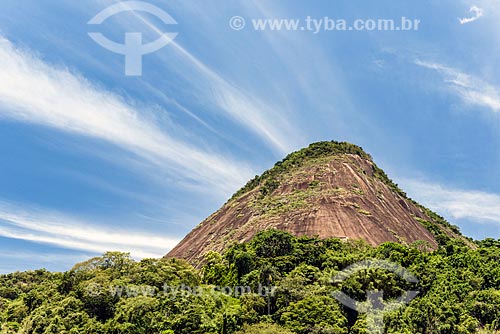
(329, 189)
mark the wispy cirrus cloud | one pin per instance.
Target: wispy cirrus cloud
(476, 14)
(470, 89)
(251, 111)
(457, 203)
(35, 92)
(53, 228)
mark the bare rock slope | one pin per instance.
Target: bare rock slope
(328, 189)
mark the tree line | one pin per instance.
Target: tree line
(459, 290)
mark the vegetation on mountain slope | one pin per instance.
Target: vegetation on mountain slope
(276, 282)
(270, 178)
(459, 291)
(328, 189)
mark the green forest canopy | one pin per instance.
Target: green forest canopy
(459, 291)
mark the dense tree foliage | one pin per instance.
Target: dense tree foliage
(276, 283)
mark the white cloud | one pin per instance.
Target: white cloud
(476, 14)
(249, 110)
(456, 203)
(32, 91)
(16, 260)
(469, 88)
(47, 227)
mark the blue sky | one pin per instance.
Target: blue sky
(93, 160)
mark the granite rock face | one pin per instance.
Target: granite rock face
(333, 193)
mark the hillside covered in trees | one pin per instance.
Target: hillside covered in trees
(276, 283)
